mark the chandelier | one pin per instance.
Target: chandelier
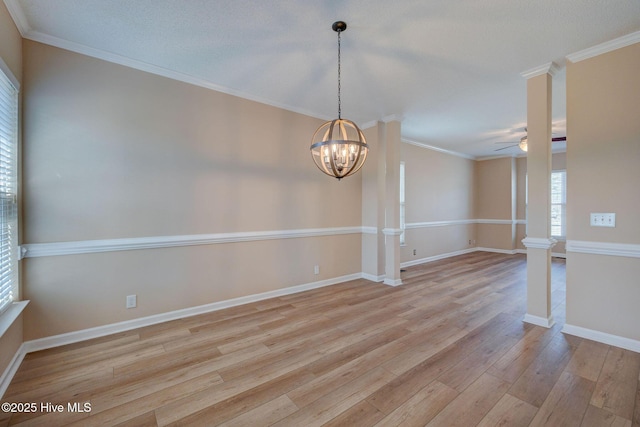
(338, 147)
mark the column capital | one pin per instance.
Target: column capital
(550, 68)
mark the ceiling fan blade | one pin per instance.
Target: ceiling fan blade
(559, 138)
(504, 148)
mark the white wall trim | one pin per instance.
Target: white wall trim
(436, 257)
(11, 369)
(428, 224)
(100, 331)
(609, 46)
(392, 231)
(549, 68)
(373, 277)
(7, 72)
(602, 248)
(439, 223)
(497, 251)
(540, 321)
(496, 221)
(18, 16)
(539, 242)
(369, 230)
(109, 245)
(602, 337)
(11, 314)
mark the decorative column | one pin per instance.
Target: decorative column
(538, 241)
(373, 190)
(392, 229)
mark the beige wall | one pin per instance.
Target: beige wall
(438, 187)
(112, 152)
(11, 54)
(495, 182)
(10, 43)
(603, 155)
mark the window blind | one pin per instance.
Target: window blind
(8, 191)
(559, 203)
(402, 205)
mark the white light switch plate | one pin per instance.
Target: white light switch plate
(603, 220)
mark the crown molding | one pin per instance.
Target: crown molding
(18, 16)
(392, 118)
(159, 71)
(605, 47)
(550, 68)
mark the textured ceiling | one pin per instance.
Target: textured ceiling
(449, 70)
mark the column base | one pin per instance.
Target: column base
(393, 282)
(539, 321)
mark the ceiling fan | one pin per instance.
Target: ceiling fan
(523, 142)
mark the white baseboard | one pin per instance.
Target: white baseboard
(602, 337)
(100, 331)
(373, 277)
(393, 282)
(497, 251)
(436, 257)
(540, 321)
(11, 370)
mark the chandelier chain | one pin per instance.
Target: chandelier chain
(339, 100)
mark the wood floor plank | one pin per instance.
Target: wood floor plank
(422, 407)
(509, 411)
(409, 382)
(242, 402)
(588, 360)
(340, 400)
(362, 413)
(510, 366)
(567, 402)
(617, 382)
(636, 412)
(465, 372)
(447, 348)
(596, 417)
(538, 379)
(471, 406)
(266, 414)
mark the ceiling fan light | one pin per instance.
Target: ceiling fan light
(523, 144)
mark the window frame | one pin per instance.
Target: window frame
(9, 187)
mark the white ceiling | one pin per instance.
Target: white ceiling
(448, 69)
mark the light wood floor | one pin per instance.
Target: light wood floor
(448, 348)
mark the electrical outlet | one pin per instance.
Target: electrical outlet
(316, 269)
(132, 301)
(414, 252)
